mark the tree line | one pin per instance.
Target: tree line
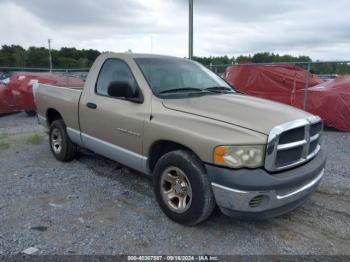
(266, 57)
(66, 57)
(70, 57)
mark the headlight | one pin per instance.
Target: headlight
(239, 156)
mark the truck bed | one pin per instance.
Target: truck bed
(64, 99)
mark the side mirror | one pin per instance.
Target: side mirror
(124, 90)
(120, 89)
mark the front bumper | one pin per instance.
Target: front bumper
(255, 193)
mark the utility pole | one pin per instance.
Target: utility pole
(50, 57)
(190, 30)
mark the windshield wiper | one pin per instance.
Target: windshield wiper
(184, 89)
(214, 89)
(219, 89)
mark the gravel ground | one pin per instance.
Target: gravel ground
(94, 206)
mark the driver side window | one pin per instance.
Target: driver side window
(114, 70)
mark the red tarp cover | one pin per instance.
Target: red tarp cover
(331, 101)
(286, 84)
(7, 103)
(18, 94)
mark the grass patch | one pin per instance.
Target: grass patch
(4, 143)
(18, 140)
(34, 139)
(3, 136)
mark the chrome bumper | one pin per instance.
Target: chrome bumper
(259, 201)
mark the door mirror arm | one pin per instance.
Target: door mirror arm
(137, 99)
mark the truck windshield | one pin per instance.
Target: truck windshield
(175, 76)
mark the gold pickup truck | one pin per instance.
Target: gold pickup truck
(203, 143)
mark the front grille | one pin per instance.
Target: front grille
(292, 135)
(315, 128)
(313, 145)
(287, 157)
(293, 143)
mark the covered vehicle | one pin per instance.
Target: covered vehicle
(275, 82)
(331, 101)
(18, 93)
(286, 84)
(7, 103)
(4, 78)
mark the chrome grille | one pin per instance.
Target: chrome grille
(293, 143)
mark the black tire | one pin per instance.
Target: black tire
(68, 149)
(30, 112)
(202, 199)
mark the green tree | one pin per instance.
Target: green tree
(38, 57)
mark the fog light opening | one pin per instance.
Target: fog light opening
(258, 201)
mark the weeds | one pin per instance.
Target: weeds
(4, 143)
(34, 139)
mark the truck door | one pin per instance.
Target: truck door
(111, 126)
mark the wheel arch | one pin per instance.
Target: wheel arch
(161, 147)
(52, 115)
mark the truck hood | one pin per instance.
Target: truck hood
(253, 113)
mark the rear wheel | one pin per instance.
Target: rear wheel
(182, 188)
(60, 144)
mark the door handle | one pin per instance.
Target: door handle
(91, 105)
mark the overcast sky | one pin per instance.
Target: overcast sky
(318, 28)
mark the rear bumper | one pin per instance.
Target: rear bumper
(256, 193)
(42, 120)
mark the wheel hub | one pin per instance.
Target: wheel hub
(180, 188)
(176, 190)
(56, 140)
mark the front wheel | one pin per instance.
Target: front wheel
(60, 144)
(182, 188)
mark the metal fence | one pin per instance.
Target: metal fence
(77, 72)
(325, 70)
(42, 69)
